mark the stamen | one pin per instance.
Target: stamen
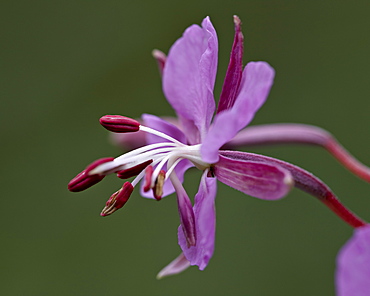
(152, 154)
(118, 199)
(148, 178)
(85, 179)
(133, 171)
(139, 155)
(142, 174)
(158, 186)
(160, 134)
(119, 124)
(158, 169)
(141, 150)
(172, 167)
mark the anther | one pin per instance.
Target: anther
(133, 171)
(119, 124)
(84, 180)
(158, 186)
(148, 178)
(117, 200)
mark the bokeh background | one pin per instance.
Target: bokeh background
(66, 63)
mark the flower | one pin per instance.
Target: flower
(195, 140)
(353, 265)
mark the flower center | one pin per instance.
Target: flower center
(160, 156)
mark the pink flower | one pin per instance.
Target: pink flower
(197, 139)
(353, 265)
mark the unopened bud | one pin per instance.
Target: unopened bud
(133, 171)
(158, 187)
(84, 180)
(119, 124)
(117, 200)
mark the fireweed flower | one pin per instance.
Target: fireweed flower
(353, 265)
(161, 159)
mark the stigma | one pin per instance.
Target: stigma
(153, 163)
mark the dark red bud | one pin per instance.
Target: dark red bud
(83, 180)
(134, 171)
(119, 124)
(118, 199)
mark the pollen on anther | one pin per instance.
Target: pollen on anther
(117, 199)
(158, 186)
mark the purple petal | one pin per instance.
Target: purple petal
(163, 126)
(192, 132)
(189, 74)
(261, 180)
(353, 265)
(205, 219)
(176, 266)
(304, 181)
(256, 83)
(234, 72)
(186, 212)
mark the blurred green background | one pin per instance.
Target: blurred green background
(66, 63)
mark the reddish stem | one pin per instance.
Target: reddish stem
(340, 210)
(344, 157)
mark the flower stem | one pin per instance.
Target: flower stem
(344, 157)
(332, 202)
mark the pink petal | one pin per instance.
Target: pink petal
(205, 219)
(234, 72)
(189, 74)
(128, 141)
(176, 266)
(353, 265)
(261, 180)
(305, 181)
(255, 86)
